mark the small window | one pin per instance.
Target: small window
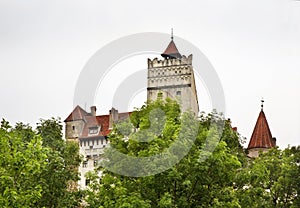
(87, 182)
(73, 128)
(94, 130)
(178, 93)
(95, 163)
(85, 164)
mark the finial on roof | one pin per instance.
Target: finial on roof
(262, 104)
(171, 51)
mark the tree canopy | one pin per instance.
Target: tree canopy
(37, 167)
(225, 178)
(159, 157)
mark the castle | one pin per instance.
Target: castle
(172, 77)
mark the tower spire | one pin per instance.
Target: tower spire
(171, 51)
(261, 139)
(262, 104)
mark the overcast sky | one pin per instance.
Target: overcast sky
(254, 46)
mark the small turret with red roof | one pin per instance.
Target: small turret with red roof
(261, 139)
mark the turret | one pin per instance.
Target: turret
(261, 139)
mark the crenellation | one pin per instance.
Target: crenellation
(166, 62)
(174, 78)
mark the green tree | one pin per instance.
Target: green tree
(271, 180)
(203, 178)
(61, 172)
(37, 167)
(22, 160)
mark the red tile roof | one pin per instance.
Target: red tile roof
(261, 136)
(171, 51)
(77, 114)
(99, 121)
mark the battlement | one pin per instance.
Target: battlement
(170, 62)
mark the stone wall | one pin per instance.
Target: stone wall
(92, 150)
(174, 78)
(254, 152)
(74, 129)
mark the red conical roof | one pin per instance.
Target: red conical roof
(171, 51)
(261, 136)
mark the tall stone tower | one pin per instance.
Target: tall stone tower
(173, 77)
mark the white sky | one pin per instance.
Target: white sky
(254, 46)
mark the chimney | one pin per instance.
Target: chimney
(274, 140)
(113, 117)
(93, 110)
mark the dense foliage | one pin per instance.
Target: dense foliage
(226, 178)
(37, 167)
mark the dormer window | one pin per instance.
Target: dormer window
(94, 130)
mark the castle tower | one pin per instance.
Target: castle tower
(261, 139)
(173, 77)
(75, 123)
